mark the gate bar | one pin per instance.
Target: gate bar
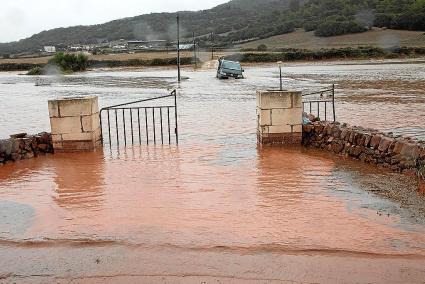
(123, 109)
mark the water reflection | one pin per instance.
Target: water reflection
(79, 180)
(286, 175)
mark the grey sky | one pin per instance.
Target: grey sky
(23, 18)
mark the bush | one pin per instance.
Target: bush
(310, 26)
(35, 71)
(285, 28)
(334, 28)
(70, 62)
(262, 47)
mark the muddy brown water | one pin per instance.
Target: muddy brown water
(217, 207)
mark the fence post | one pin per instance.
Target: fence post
(333, 101)
(175, 114)
(101, 130)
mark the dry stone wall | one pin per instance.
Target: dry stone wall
(23, 146)
(397, 153)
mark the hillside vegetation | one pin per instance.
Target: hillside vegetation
(242, 20)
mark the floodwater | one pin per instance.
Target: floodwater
(217, 208)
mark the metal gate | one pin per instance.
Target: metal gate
(317, 103)
(135, 123)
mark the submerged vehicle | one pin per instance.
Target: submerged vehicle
(227, 69)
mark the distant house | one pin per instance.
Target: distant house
(186, 46)
(149, 44)
(49, 49)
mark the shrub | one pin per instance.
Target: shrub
(285, 28)
(70, 62)
(262, 47)
(334, 28)
(310, 26)
(35, 71)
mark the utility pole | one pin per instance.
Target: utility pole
(194, 50)
(212, 46)
(280, 74)
(178, 48)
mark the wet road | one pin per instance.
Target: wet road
(216, 208)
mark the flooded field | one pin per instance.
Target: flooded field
(217, 208)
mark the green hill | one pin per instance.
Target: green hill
(242, 20)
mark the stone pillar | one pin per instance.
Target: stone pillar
(75, 124)
(279, 116)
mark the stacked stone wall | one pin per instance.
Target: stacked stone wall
(400, 154)
(23, 146)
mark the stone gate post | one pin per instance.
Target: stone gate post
(75, 124)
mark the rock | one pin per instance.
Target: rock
(410, 151)
(318, 127)
(337, 147)
(361, 140)
(351, 137)
(357, 138)
(28, 155)
(374, 142)
(347, 147)
(19, 135)
(43, 147)
(407, 164)
(385, 143)
(15, 156)
(398, 147)
(367, 140)
(357, 151)
(395, 168)
(328, 129)
(391, 148)
(336, 132)
(6, 146)
(344, 134)
(396, 159)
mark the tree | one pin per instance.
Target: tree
(70, 62)
(294, 5)
(262, 47)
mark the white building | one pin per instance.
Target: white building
(49, 49)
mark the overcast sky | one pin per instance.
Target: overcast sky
(23, 18)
